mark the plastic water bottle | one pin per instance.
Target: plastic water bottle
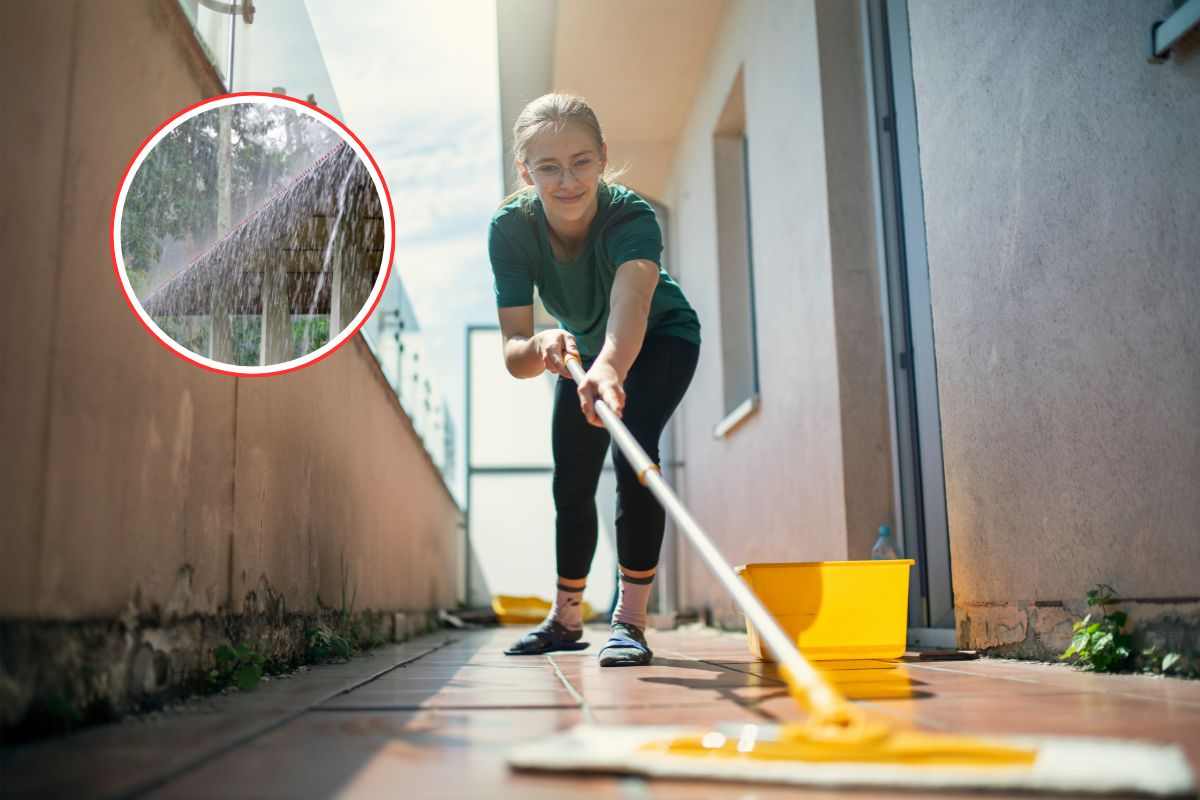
(884, 549)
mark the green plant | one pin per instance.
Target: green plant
(238, 666)
(324, 643)
(1100, 645)
(1157, 662)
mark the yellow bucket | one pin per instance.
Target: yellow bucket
(526, 610)
(835, 610)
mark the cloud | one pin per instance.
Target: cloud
(408, 58)
(444, 182)
(447, 274)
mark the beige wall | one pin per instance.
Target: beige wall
(1060, 179)
(130, 475)
(808, 476)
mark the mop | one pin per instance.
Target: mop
(838, 744)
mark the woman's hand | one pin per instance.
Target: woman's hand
(603, 382)
(553, 346)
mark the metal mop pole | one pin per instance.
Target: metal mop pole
(823, 699)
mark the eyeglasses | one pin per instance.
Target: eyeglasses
(552, 174)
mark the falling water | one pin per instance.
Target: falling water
(331, 209)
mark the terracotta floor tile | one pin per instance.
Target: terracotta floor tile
(450, 716)
(454, 698)
(467, 678)
(117, 758)
(688, 715)
(404, 754)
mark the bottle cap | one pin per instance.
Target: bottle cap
(884, 531)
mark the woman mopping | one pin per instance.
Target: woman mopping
(593, 250)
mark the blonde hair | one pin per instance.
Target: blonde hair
(552, 112)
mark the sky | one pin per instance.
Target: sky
(417, 83)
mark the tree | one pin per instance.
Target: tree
(173, 196)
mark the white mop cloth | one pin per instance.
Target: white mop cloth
(1091, 766)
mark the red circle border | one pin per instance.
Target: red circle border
(112, 241)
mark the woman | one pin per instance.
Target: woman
(593, 250)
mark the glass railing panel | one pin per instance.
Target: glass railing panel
(213, 23)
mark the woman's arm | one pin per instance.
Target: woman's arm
(527, 355)
(629, 308)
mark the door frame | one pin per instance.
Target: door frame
(918, 471)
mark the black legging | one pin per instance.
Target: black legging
(653, 388)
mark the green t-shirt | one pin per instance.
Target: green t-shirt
(577, 292)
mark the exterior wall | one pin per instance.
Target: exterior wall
(1060, 180)
(133, 479)
(807, 477)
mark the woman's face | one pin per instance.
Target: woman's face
(565, 168)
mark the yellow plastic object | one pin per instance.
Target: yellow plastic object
(834, 610)
(870, 743)
(849, 610)
(526, 609)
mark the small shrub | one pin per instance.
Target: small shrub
(325, 644)
(238, 666)
(1156, 662)
(1099, 645)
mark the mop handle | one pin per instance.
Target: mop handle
(824, 700)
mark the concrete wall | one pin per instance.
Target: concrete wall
(808, 476)
(1060, 179)
(130, 477)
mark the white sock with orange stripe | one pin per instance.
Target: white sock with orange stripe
(633, 600)
(568, 607)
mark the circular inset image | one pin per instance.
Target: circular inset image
(252, 234)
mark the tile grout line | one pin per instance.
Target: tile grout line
(211, 755)
(1060, 690)
(753, 707)
(583, 706)
(727, 667)
(1063, 689)
(973, 674)
(411, 708)
(407, 708)
(935, 724)
(382, 672)
(1190, 704)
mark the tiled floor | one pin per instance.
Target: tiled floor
(435, 717)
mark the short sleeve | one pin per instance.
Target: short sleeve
(513, 283)
(636, 236)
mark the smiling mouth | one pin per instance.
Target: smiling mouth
(569, 199)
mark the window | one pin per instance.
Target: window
(739, 351)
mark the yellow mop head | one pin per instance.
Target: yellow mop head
(761, 754)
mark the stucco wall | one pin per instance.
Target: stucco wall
(807, 477)
(129, 475)
(1060, 180)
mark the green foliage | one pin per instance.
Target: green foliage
(345, 634)
(1099, 645)
(325, 644)
(247, 339)
(59, 708)
(1172, 662)
(308, 334)
(238, 666)
(191, 331)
